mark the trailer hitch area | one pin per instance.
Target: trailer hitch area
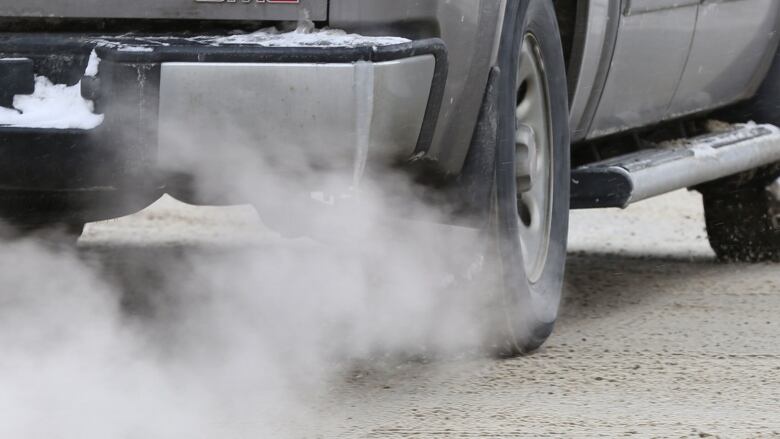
(17, 78)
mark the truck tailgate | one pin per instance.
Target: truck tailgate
(168, 9)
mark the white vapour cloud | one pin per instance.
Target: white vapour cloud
(175, 341)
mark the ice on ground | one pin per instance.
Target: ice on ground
(54, 106)
(303, 36)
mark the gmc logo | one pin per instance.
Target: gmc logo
(249, 1)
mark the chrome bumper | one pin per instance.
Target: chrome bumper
(295, 115)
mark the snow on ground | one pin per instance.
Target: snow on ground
(639, 230)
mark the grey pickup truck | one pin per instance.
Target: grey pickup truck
(517, 110)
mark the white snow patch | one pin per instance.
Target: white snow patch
(137, 44)
(705, 152)
(135, 49)
(55, 106)
(303, 36)
(93, 65)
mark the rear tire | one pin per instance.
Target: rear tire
(743, 220)
(530, 214)
(743, 211)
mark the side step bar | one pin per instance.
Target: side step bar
(629, 178)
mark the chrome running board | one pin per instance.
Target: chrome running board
(620, 181)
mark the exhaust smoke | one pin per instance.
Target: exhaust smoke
(139, 335)
(235, 322)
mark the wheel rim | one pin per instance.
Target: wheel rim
(534, 159)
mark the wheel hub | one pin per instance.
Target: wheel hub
(525, 156)
(534, 159)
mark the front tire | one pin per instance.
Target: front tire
(531, 202)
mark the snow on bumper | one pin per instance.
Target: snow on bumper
(54, 106)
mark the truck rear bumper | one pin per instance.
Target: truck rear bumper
(166, 100)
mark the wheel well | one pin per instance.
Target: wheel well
(566, 10)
